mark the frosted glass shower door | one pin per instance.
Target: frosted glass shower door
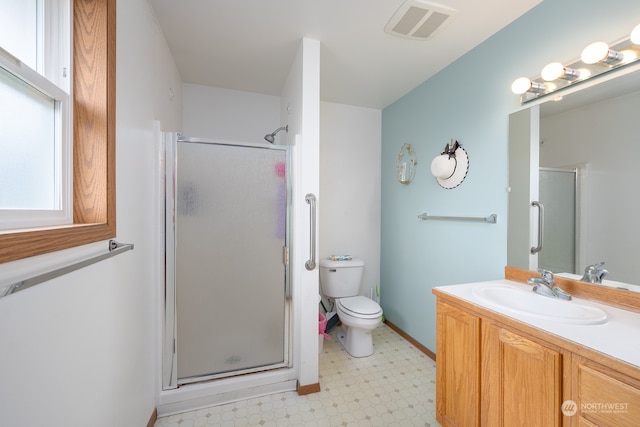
(231, 209)
(558, 195)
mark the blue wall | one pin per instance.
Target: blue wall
(470, 101)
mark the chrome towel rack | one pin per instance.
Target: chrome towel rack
(492, 219)
(115, 248)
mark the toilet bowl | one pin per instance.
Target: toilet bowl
(340, 281)
(359, 316)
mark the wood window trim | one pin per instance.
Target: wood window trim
(94, 108)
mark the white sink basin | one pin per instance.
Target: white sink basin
(527, 303)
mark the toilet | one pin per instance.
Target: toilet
(340, 280)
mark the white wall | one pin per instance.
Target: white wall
(80, 350)
(300, 108)
(235, 115)
(604, 137)
(350, 159)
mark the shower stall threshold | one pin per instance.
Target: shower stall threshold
(199, 395)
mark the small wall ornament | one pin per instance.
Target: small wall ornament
(406, 164)
(451, 166)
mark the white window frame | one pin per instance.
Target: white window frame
(52, 78)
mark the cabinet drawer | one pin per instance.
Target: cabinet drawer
(605, 400)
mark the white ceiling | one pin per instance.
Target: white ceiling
(249, 45)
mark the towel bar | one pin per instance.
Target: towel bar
(493, 218)
(115, 248)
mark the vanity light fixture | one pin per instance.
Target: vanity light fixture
(596, 59)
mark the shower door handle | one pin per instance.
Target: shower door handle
(540, 206)
(311, 263)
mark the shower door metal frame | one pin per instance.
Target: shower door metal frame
(169, 349)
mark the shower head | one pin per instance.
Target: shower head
(271, 137)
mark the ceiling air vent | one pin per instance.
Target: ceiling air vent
(418, 20)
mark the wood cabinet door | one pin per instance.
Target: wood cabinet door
(521, 380)
(457, 367)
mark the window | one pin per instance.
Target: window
(35, 184)
(93, 129)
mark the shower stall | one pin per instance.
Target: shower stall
(227, 272)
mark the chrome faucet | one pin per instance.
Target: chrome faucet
(594, 273)
(545, 285)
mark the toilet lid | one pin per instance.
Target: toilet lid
(360, 306)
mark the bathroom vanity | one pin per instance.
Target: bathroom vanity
(501, 364)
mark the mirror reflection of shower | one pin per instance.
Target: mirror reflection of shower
(271, 137)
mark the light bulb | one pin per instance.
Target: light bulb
(552, 71)
(635, 35)
(556, 70)
(595, 52)
(520, 85)
(599, 52)
(523, 85)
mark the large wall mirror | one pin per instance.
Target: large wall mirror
(580, 157)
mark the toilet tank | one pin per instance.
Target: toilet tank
(339, 279)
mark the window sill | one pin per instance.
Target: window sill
(18, 244)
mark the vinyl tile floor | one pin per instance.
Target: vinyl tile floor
(396, 386)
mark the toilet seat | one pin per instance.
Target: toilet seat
(360, 307)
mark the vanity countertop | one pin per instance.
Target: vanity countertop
(618, 337)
